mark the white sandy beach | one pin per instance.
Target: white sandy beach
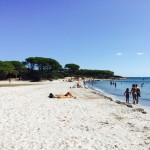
(30, 120)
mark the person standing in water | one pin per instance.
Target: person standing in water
(127, 94)
(138, 93)
(134, 94)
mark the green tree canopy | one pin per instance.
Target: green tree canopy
(6, 68)
(40, 63)
(73, 67)
(39, 68)
(30, 62)
(18, 65)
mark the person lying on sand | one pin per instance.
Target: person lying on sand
(67, 95)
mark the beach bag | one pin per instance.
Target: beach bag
(51, 95)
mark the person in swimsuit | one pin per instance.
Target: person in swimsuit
(67, 95)
(127, 94)
(138, 93)
(134, 93)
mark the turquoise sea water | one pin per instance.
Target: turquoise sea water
(117, 92)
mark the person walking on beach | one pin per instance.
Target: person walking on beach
(134, 93)
(127, 94)
(9, 79)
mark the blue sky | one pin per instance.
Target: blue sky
(95, 34)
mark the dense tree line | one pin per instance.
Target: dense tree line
(39, 68)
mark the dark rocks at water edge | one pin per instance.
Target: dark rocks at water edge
(123, 103)
(109, 98)
(140, 110)
(129, 105)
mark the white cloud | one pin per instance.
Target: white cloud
(139, 53)
(119, 54)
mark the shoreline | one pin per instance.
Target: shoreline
(115, 97)
(119, 101)
(30, 120)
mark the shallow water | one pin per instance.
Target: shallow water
(117, 92)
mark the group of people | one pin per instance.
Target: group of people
(113, 83)
(135, 91)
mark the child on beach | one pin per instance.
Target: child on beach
(127, 94)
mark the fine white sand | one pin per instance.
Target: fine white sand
(30, 120)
